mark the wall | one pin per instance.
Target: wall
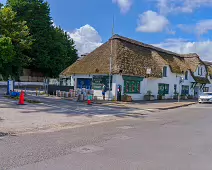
(31, 76)
(148, 84)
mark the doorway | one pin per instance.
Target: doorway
(196, 92)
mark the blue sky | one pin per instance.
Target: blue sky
(179, 25)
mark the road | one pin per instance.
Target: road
(179, 139)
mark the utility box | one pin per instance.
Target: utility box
(10, 86)
(119, 89)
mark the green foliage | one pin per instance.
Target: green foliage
(52, 50)
(62, 52)
(15, 40)
(6, 54)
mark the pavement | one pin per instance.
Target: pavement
(152, 105)
(177, 139)
(142, 105)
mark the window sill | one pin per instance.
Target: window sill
(131, 93)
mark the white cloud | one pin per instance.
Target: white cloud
(124, 5)
(86, 39)
(200, 28)
(186, 6)
(204, 26)
(151, 21)
(182, 46)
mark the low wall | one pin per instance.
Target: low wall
(53, 88)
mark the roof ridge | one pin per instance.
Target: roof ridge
(116, 36)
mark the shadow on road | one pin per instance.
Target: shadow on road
(71, 108)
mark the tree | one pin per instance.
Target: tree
(15, 41)
(37, 15)
(62, 52)
(6, 56)
(52, 50)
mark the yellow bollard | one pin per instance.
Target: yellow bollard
(36, 91)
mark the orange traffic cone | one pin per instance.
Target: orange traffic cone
(89, 102)
(21, 99)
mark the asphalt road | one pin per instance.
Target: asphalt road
(179, 139)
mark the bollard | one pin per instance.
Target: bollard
(89, 100)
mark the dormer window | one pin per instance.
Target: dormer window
(186, 75)
(198, 70)
(165, 71)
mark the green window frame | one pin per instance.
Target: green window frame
(131, 86)
(163, 89)
(185, 90)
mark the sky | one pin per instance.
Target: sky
(182, 26)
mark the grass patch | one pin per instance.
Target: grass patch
(10, 97)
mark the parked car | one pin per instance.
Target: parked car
(206, 97)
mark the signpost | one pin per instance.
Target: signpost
(98, 80)
(10, 86)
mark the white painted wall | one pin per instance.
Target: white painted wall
(148, 84)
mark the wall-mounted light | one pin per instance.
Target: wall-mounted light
(120, 72)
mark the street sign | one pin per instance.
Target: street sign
(98, 80)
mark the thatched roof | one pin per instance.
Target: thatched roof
(209, 67)
(131, 57)
(192, 61)
(95, 62)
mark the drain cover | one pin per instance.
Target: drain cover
(87, 149)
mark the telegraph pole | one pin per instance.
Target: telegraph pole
(111, 54)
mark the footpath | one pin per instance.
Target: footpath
(151, 105)
(142, 105)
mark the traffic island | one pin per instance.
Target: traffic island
(153, 106)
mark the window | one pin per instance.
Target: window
(185, 90)
(163, 89)
(186, 75)
(206, 89)
(131, 86)
(165, 71)
(200, 70)
(84, 83)
(175, 88)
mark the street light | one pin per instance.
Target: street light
(181, 80)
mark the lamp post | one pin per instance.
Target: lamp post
(180, 82)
